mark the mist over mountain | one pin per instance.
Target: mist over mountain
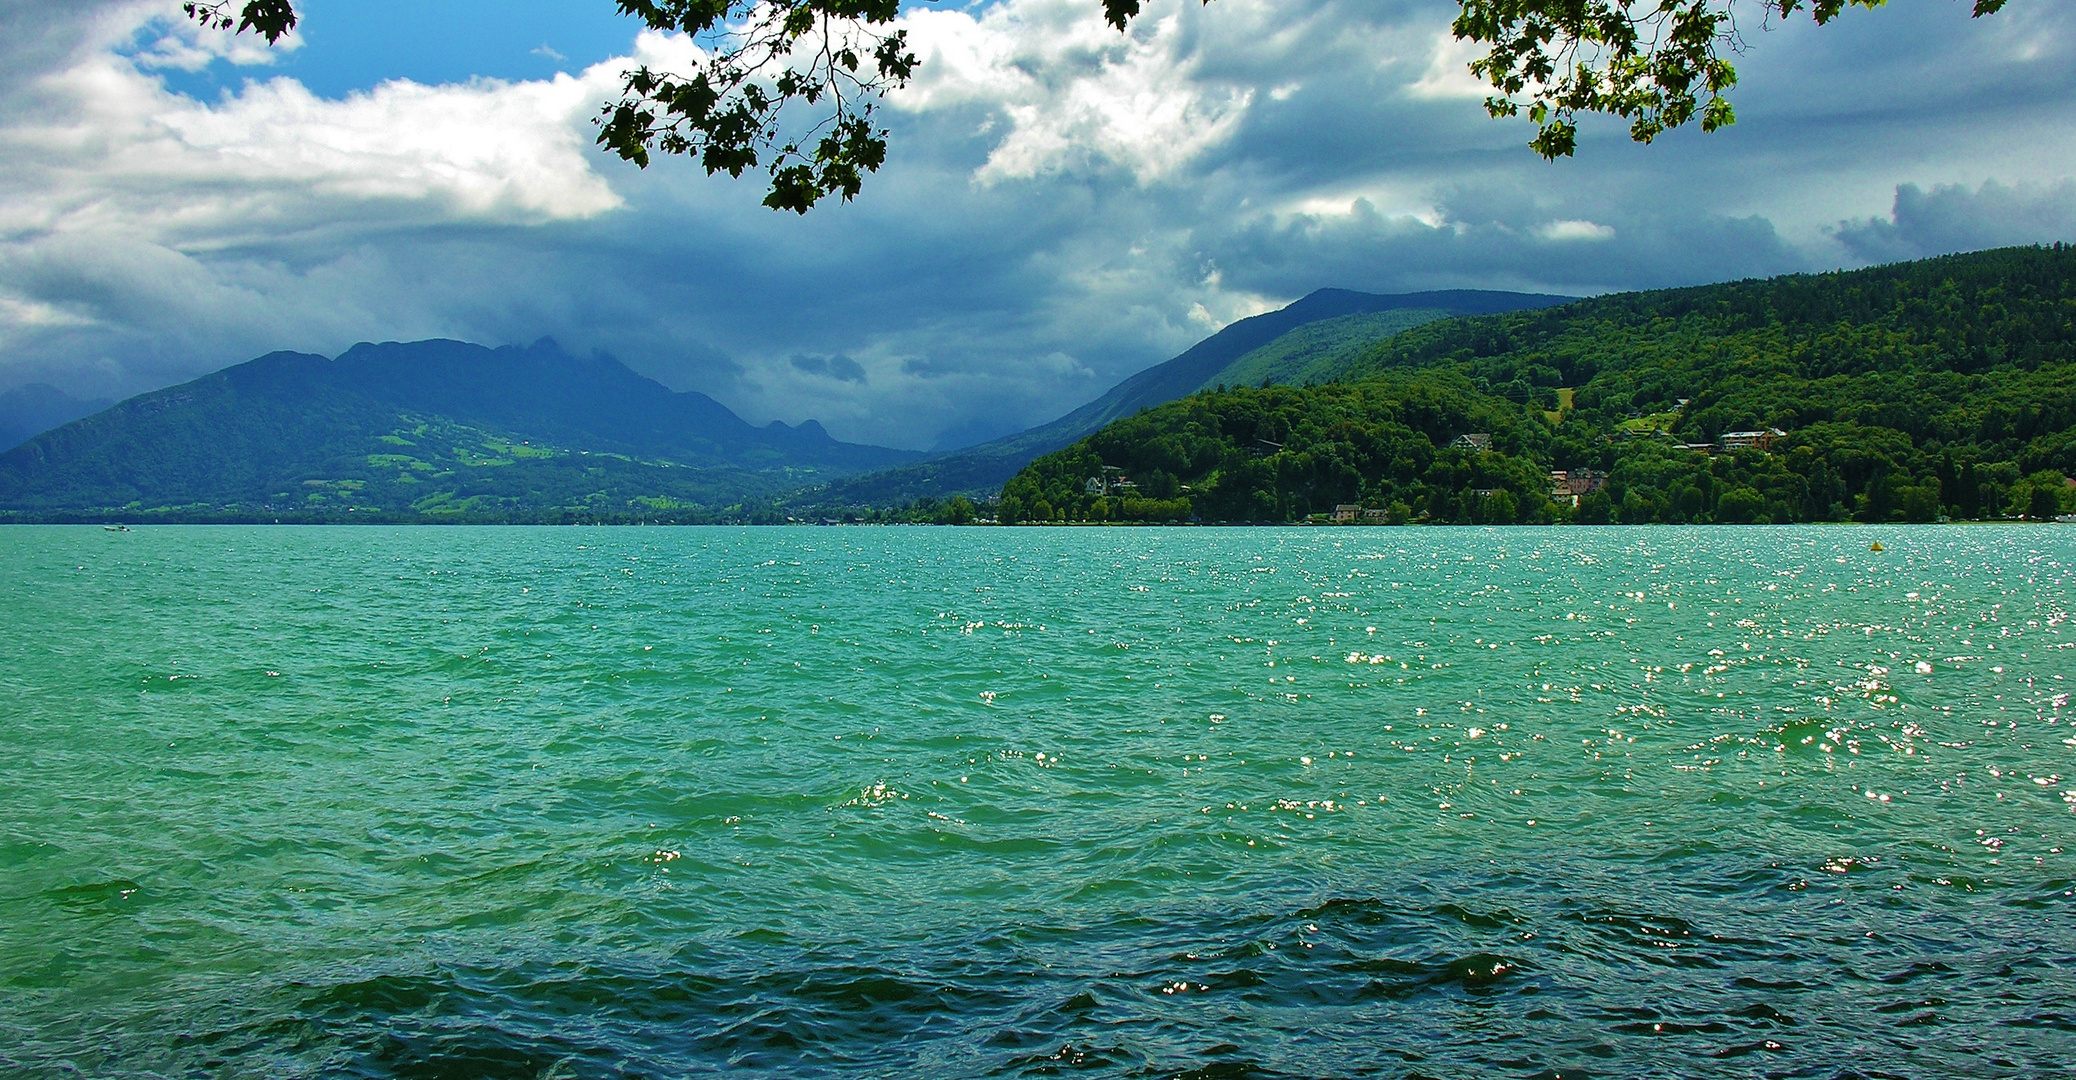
(27, 411)
(1313, 338)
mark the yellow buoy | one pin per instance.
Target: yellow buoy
(1875, 546)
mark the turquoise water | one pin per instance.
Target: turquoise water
(1134, 802)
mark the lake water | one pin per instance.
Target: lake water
(575, 802)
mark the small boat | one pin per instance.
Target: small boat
(2066, 519)
(115, 528)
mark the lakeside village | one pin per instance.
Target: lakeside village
(1567, 486)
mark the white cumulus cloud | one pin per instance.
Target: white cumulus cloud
(484, 149)
(1575, 229)
(1075, 92)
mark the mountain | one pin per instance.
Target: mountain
(1312, 338)
(28, 410)
(1939, 388)
(433, 430)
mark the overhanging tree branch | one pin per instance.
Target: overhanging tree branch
(1657, 63)
(762, 57)
(271, 19)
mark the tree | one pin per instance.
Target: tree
(1656, 63)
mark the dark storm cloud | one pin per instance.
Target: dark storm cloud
(1603, 248)
(839, 367)
(1951, 218)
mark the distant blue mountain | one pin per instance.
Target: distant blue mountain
(596, 402)
(421, 430)
(27, 411)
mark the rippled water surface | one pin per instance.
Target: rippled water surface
(1130, 802)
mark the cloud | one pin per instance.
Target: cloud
(1952, 218)
(1071, 92)
(488, 150)
(1063, 205)
(1448, 76)
(160, 232)
(1574, 229)
(839, 367)
(1496, 235)
(110, 148)
(185, 46)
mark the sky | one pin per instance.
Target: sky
(1063, 205)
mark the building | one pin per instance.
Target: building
(1373, 517)
(1475, 441)
(1569, 486)
(1346, 512)
(1734, 441)
(1112, 481)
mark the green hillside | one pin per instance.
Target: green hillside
(1319, 352)
(388, 467)
(1945, 387)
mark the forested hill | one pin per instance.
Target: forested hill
(1945, 387)
(428, 430)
